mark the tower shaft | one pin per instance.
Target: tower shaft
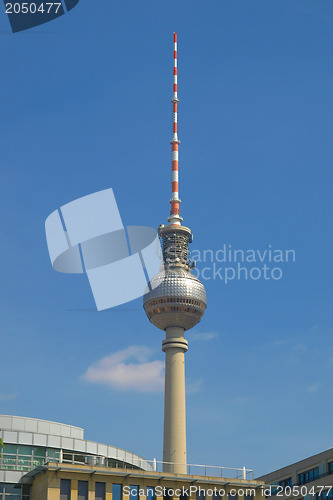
(174, 443)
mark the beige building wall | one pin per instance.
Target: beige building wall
(321, 460)
(46, 484)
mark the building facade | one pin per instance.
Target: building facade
(311, 478)
(30, 443)
(75, 482)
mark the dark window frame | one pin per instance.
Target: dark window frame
(65, 493)
(101, 484)
(86, 490)
(308, 476)
(117, 488)
(153, 496)
(286, 482)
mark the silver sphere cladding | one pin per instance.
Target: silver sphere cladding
(178, 298)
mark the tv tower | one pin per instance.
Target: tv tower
(175, 302)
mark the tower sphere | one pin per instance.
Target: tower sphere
(177, 298)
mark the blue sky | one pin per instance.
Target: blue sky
(86, 106)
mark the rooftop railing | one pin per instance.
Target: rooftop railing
(29, 462)
(207, 470)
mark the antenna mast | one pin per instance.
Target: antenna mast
(175, 218)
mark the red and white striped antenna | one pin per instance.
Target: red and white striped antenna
(175, 218)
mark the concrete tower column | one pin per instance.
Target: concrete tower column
(174, 446)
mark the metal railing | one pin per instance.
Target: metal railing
(27, 462)
(206, 470)
(19, 462)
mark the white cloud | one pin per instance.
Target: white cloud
(129, 369)
(204, 336)
(279, 342)
(241, 400)
(313, 388)
(193, 386)
(8, 397)
(300, 348)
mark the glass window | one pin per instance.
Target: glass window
(330, 468)
(12, 492)
(150, 493)
(308, 476)
(274, 490)
(168, 495)
(286, 482)
(8, 461)
(112, 463)
(38, 461)
(99, 491)
(65, 489)
(232, 497)
(79, 458)
(248, 497)
(12, 489)
(200, 494)
(116, 492)
(67, 456)
(39, 456)
(24, 450)
(24, 462)
(53, 454)
(134, 492)
(216, 496)
(25, 491)
(39, 452)
(325, 495)
(82, 490)
(10, 449)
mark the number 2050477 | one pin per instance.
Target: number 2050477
(295, 491)
(32, 8)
